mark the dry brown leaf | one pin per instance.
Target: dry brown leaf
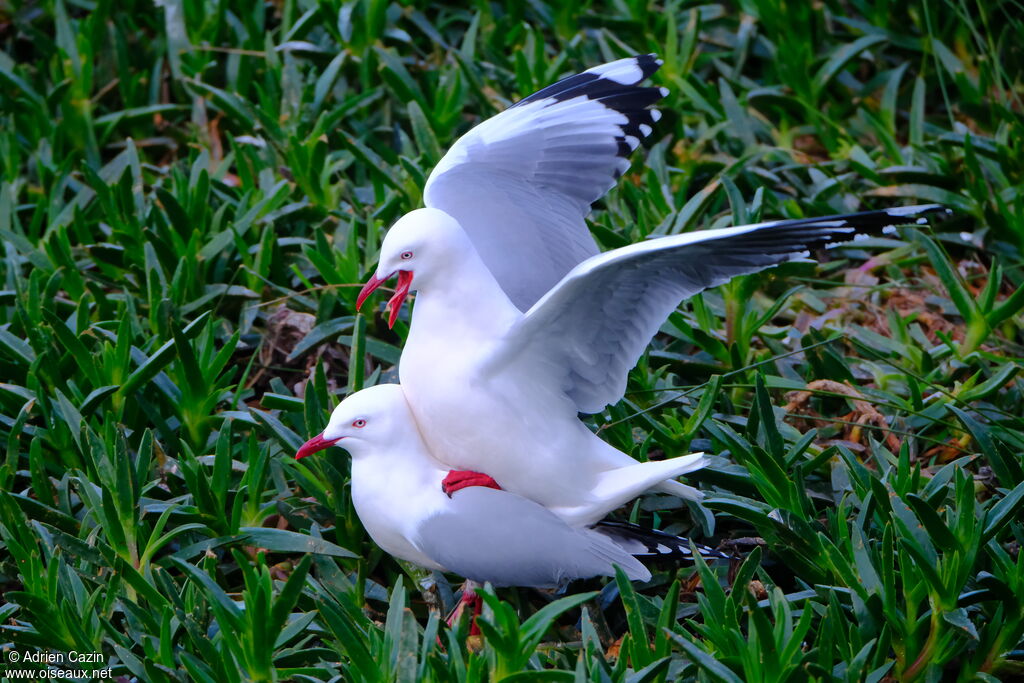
(757, 589)
(864, 412)
(613, 650)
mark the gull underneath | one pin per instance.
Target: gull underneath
(483, 534)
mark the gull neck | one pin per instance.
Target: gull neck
(467, 301)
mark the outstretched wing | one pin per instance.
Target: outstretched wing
(521, 183)
(591, 328)
(497, 536)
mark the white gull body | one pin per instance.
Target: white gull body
(480, 533)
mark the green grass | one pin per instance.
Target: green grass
(192, 193)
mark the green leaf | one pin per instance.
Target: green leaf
(937, 529)
(704, 407)
(841, 57)
(707, 663)
(1007, 467)
(534, 628)
(951, 280)
(545, 675)
(17, 347)
(1009, 307)
(275, 540)
(422, 132)
(959, 619)
(163, 356)
(1006, 509)
(320, 334)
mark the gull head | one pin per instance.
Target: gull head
(365, 421)
(417, 249)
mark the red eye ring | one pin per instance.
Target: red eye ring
(359, 424)
(406, 255)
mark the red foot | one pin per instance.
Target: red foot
(460, 479)
(469, 599)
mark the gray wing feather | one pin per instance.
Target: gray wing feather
(592, 327)
(529, 238)
(521, 183)
(497, 536)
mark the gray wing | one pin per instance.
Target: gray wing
(592, 327)
(521, 183)
(497, 536)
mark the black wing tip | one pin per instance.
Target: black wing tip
(615, 86)
(787, 239)
(841, 229)
(898, 212)
(603, 80)
(648, 63)
(920, 212)
(890, 213)
(661, 545)
(884, 221)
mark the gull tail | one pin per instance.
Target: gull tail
(625, 483)
(680, 490)
(620, 484)
(653, 544)
(614, 553)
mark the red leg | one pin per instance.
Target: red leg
(469, 599)
(460, 479)
(478, 607)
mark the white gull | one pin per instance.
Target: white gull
(480, 533)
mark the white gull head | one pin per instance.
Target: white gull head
(421, 247)
(366, 422)
(422, 241)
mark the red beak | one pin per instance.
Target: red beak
(317, 443)
(401, 291)
(396, 301)
(372, 284)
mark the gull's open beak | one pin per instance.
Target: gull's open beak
(396, 301)
(371, 285)
(317, 443)
(401, 291)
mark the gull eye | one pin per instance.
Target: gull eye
(406, 255)
(359, 424)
